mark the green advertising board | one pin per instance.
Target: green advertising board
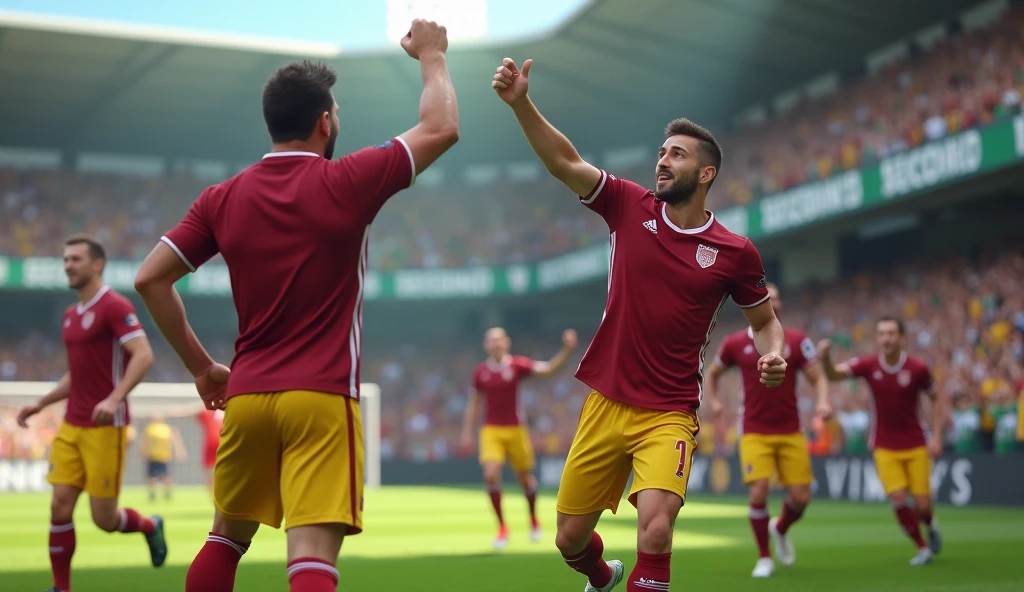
(922, 169)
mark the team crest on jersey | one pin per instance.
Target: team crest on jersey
(387, 144)
(748, 350)
(131, 320)
(507, 374)
(706, 256)
(87, 319)
(903, 378)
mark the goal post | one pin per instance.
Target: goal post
(24, 453)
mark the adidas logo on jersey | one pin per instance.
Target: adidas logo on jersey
(651, 225)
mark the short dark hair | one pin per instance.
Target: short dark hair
(294, 98)
(899, 323)
(710, 149)
(94, 246)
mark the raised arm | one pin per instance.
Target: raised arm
(558, 360)
(833, 371)
(557, 153)
(438, 129)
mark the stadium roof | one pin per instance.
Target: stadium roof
(612, 75)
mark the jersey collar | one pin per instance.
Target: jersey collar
(892, 369)
(81, 308)
(750, 332)
(664, 216)
(289, 153)
(504, 363)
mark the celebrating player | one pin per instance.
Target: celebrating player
(672, 268)
(505, 434)
(293, 231)
(772, 441)
(897, 438)
(108, 355)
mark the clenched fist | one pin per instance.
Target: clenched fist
(425, 37)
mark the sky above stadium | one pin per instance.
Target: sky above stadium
(351, 24)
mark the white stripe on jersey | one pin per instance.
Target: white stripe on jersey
(355, 333)
(703, 349)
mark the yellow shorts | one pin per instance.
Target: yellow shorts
(613, 438)
(296, 455)
(909, 470)
(762, 455)
(91, 459)
(513, 442)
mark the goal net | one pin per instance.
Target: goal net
(24, 452)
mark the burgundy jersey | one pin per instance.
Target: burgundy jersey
(94, 335)
(498, 384)
(896, 392)
(666, 286)
(293, 231)
(767, 410)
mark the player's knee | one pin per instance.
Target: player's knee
(922, 503)
(655, 535)
(527, 480)
(571, 541)
(106, 522)
(800, 497)
(61, 509)
(759, 491)
(898, 497)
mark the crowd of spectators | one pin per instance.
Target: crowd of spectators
(965, 317)
(966, 79)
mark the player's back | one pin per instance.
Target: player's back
(767, 410)
(293, 231)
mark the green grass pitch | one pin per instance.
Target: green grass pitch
(438, 540)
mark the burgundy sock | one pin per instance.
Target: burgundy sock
(496, 502)
(132, 521)
(213, 569)
(309, 574)
(926, 517)
(788, 517)
(590, 562)
(531, 500)
(62, 547)
(650, 573)
(758, 514)
(907, 518)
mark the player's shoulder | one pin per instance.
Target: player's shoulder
(114, 299)
(916, 363)
(726, 237)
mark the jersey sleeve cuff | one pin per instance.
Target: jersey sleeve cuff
(412, 161)
(132, 335)
(590, 197)
(181, 255)
(761, 301)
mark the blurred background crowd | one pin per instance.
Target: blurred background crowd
(965, 80)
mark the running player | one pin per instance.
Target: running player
(672, 268)
(161, 443)
(504, 434)
(293, 231)
(772, 442)
(901, 455)
(108, 355)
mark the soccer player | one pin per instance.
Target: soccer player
(210, 423)
(161, 443)
(672, 268)
(772, 442)
(293, 232)
(504, 434)
(897, 439)
(108, 355)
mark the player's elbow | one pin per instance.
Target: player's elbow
(145, 280)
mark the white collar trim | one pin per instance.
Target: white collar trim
(664, 216)
(99, 294)
(892, 369)
(750, 332)
(289, 153)
(504, 363)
